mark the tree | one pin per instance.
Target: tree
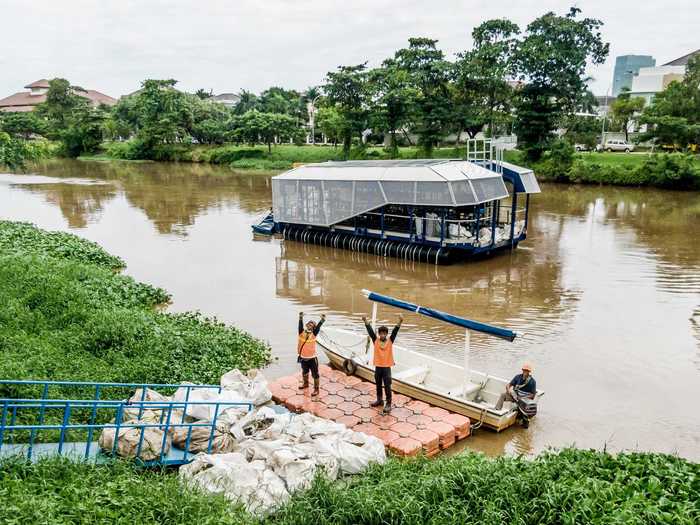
(582, 129)
(331, 124)
(22, 125)
(481, 75)
(393, 101)
(673, 118)
(83, 131)
(13, 152)
(429, 74)
(255, 126)
(348, 90)
(162, 115)
(203, 94)
(61, 101)
(246, 102)
(624, 109)
(552, 59)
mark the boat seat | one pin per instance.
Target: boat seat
(416, 374)
(461, 391)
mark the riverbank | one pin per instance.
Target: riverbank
(663, 170)
(68, 315)
(569, 486)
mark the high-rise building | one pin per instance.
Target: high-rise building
(626, 67)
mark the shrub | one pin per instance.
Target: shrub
(571, 486)
(60, 491)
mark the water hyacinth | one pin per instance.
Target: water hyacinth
(24, 238)
(68, 316)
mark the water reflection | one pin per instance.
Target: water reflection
(171, 195)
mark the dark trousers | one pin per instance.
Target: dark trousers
(382, 375)
(310, 365)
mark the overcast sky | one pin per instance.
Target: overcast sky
(227, 45)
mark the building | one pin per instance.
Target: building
(28, 100)
(626, 67)
(651, 80)
(227, 99)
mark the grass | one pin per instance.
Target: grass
(66, 315)
(62, 492)
(566, 487)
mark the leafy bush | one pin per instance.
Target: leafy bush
(571, 486)
(59, 491)
(672, 171)
(25, 238)
(556, 162)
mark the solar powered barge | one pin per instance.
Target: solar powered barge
(431, 210)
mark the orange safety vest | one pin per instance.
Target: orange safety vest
(383, 356)
(306, 345)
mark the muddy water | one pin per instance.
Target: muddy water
(606, 289)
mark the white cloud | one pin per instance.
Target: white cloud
(112, 45)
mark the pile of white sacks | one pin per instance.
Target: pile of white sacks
(259, 457)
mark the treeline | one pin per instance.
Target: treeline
(528, 81)
(522, 80)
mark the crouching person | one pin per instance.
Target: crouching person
(383, 360)
(306, 352)
(521, 386)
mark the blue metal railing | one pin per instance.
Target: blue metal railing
(61, 410)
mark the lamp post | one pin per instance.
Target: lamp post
(313, 119)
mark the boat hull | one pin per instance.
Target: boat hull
(487, 416)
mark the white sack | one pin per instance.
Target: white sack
(252, 484)
(251, 387)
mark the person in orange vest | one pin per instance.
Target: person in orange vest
(306, 351)
(383, 360)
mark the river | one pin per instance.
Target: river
(605, 290)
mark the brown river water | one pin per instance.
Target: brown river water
(606, 289)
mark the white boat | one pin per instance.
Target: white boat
(450, 386)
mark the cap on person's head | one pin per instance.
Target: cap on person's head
(527, 366)
(312, 323)
(382, 330)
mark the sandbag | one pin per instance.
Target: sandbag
(139, 410)
(152, 446)
(221, 442)
(251, 387)
(196, 394)
(258, 488)
(354, 455)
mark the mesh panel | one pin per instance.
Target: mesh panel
(399, 192)
(433, 193)
(488, 189)
(368, 196)
(286, 204)
(337, 200)
(311, 202)
(463, 192)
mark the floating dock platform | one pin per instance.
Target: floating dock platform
(411, 428)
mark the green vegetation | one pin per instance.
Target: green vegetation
(68, 316)
(673, 119)
(571, 486)
(665, 170)
(62, 492)
(22, 238)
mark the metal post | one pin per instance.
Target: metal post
(527, 211)
(494, 212)
(467, 369)
(513, 208)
